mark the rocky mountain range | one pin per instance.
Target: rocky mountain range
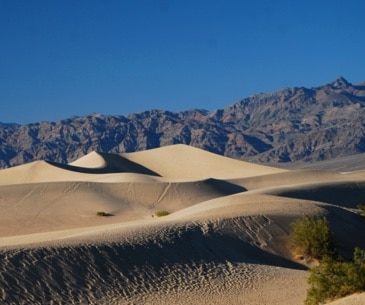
(293, 124)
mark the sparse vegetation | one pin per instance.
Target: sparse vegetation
(103, 214)
(362, 208)
(161, 213)
(334, 279)
(313, 238)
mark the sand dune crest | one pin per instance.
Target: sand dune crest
(186, 162)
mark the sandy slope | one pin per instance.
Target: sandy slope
(356, 299)
(225, 241)
(186, 162)
(41, 207)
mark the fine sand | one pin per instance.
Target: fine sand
(226, 239)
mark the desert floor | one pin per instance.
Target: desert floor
(226, 239)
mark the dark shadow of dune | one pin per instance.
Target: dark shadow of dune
(225, 187)
(115, 164)
(348, 228)
(345, 194)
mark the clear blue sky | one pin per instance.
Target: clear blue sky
(74, 57)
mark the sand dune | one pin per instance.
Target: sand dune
(107, 166)
(297, 177)
(185, 162)
(41, 207)
(226, 239)
(108, 163)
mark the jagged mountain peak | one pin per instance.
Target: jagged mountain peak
(340, 83)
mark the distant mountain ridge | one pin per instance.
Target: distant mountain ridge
(293, 124)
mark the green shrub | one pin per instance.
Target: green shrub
(362, 208)
(313, 237)
(334, 279)
(161, 213)
(103, 214)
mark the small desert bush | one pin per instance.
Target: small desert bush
(103, 214)
(362, 208)
(334, 279)
(313, 237)
(161, 213)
